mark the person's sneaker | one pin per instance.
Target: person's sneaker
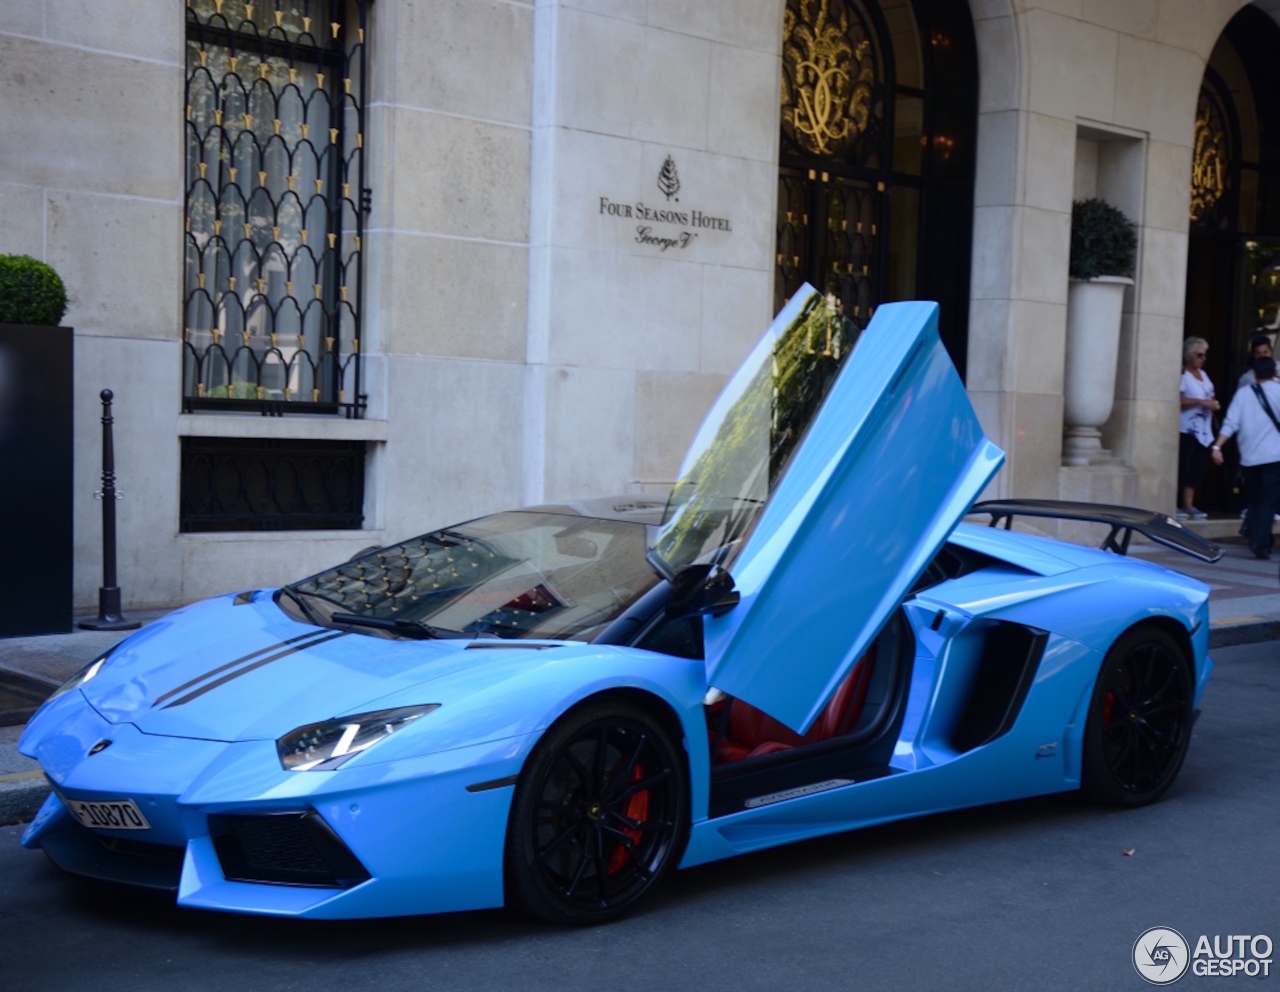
(1198, 514)
(1180, 514)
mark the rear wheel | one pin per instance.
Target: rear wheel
(1140, 717)
(599, 814)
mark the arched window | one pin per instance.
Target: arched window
(875, 184)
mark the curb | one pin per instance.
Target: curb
(1250, 632)
(21, 796)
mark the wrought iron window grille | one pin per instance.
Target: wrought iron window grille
(275, 206)
(252, 484)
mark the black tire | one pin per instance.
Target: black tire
(599, 815)
(1140, 717)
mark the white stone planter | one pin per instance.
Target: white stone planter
(1094, 307)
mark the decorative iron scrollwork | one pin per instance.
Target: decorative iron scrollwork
(253, 484)
(829, 78)
(1211, 155)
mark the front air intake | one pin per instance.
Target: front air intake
(284, 849)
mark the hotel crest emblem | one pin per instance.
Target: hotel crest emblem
(668, 179)
(827, 88)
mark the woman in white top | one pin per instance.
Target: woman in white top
(1195, 426)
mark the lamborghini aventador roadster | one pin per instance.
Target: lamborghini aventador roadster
(555, 706)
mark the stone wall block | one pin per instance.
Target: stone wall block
(1156, 89)
(1037, 425)
(592, 91)
(671, 89)
(1049, 162)
(669, 408)
(1039, 344)
(737, 305)
(743, 116)
(121, 261)
(993, 240)
(1040, 261)
(1071, 67)
(456, 298)
(469, 179)
(755, 24)
(1000, 81)
(24, 17)
(1162, 286)
(1139, 18)
(624, 311)
(156, 33)
(468, 57)
(624, 10)
(454, 441)
(1168, 187)
(1157, 360)
(996, 182)
(991, 345)
(590, 432)
(22, 228)
(1194, 25)
(84, 120)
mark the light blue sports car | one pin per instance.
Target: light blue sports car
(553, 707)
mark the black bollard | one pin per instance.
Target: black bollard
(109, 615)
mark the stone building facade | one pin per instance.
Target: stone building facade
(561, 225)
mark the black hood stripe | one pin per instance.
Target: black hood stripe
(239, 661)
(209, 687)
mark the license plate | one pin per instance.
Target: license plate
(104, 814)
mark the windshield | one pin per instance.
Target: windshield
(742, 448)
(517, 574)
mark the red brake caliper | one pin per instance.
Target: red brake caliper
(637, 809)
(1106, 709)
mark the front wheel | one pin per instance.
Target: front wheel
(1139, 723)
(599, 814)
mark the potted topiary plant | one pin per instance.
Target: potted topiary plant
(30, 292)
(36, 370)
(1104, 244)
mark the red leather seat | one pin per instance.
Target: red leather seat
(751, 732)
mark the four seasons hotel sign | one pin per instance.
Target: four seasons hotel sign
(668, 224)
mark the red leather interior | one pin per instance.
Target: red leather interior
(751, 732)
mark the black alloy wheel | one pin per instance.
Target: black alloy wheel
(600, 814)
(1140, 718)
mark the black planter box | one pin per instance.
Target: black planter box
(36, 366)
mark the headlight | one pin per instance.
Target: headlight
(321, 747)
(83, 676)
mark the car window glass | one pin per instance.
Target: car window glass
(518, 574)
(742, 448)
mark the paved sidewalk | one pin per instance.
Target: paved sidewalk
(1244, 607)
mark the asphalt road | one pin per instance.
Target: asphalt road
(1036, 894)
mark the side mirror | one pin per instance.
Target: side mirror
(701, 589)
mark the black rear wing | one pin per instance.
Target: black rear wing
(1123, 521)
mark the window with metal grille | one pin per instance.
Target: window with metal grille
(877, 156)
(275, 205)
(259, 484)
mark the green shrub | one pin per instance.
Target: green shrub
(1104, 242)
(30, 292)
(238, 390)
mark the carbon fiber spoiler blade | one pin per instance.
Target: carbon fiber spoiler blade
(1123, 521)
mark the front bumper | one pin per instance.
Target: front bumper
(231, 830)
